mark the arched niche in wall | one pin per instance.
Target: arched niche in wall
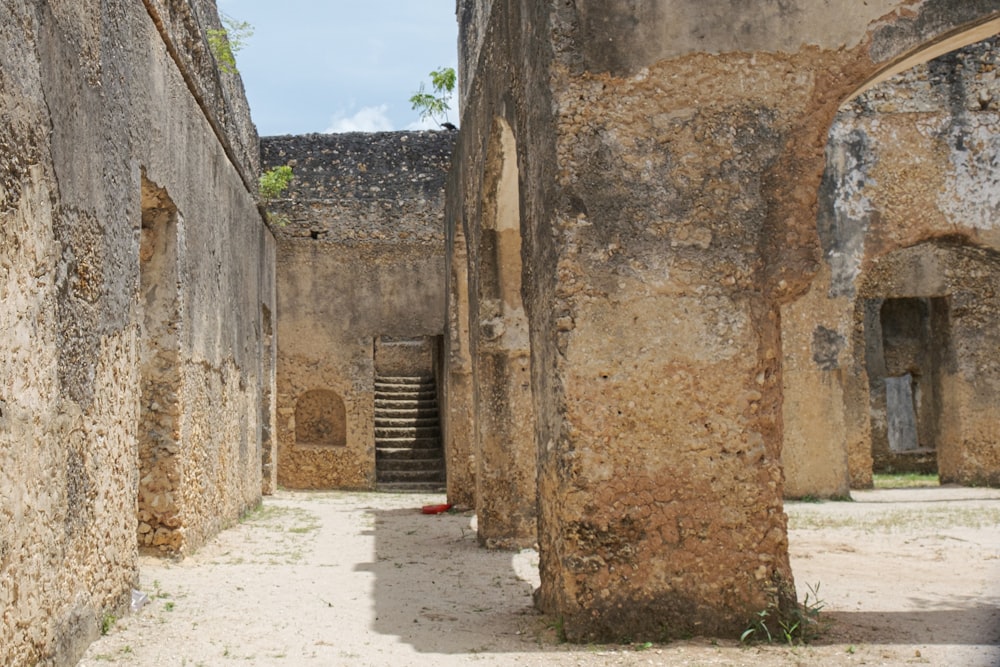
(500, 237)
(320, 419)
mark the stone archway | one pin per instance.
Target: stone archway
(929, 315)
(909, 166)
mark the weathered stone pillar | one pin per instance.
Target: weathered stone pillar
(458, 415)
(817, 364)
(688, 184)
(671, 154)
(506, 504)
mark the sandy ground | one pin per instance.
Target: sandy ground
(908, 577)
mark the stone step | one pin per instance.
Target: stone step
(404, 379)
(385, 453)
(418, 476)
(405, 395)
(410, 487)
(404, 402)
(403, 409)
(414, 465)
(407, 443)
(401, 386)
(415, 422)
(407, 432)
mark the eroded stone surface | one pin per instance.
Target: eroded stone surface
(905, 213)
(668, 218)
(93, 103)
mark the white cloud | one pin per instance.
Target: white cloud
(423, 124)
(366, 119)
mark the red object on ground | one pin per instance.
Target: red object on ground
(435, 509)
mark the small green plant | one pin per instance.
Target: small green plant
(273, 184)
(435, 105)
(107, 622)
(799, 626)
(252, 513)
(227, 41)
(558, 625)
(169, 606)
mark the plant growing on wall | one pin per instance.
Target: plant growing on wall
(435, 105)
(227, 41)
(272, 184)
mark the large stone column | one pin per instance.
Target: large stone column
(506, 472)
(661, 507)
(687, 184)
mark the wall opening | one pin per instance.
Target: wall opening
(900, 253)
(906, 343)
(160, 248)
(320, 419)
(268, 451)
(408, 452)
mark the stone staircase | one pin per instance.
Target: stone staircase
(408, 452)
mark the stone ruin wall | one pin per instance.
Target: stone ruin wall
(94, 144)
(360, 255)
(669, 157)
(911, 164)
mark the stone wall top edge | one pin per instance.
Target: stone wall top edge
(221, 95)
(336, 137)
(359, 166)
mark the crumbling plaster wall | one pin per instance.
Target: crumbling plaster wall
(92, 99)
(911, 161)
(361, 256)
(672, 156)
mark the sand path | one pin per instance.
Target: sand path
(908, 577)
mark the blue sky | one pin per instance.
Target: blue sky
(340, 65)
